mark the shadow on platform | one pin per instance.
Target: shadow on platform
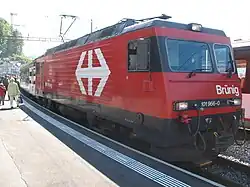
(9, 108)
(116, 172)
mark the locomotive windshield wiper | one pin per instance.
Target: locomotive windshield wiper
(230, 69)
(192, 73)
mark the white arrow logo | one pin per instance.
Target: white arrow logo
(91, 72)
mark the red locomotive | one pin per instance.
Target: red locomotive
(172, 85)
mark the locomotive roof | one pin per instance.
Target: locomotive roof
(125, 26)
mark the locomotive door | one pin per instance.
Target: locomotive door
(139, 65)
(138, 79)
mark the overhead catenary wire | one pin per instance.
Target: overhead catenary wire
(34, 38)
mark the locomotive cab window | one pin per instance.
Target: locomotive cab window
(224, 59)
(138, 55)
(188, 56)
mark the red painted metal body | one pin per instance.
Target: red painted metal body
(142, 101)
(139, 92)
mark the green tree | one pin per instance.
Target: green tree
(21, 58)
(10, 42)
(14, 44)
(5, 30)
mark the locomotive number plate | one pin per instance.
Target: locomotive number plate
(213, 103)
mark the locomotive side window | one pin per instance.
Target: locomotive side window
(223, 58)
(138, 55)
(188, 56)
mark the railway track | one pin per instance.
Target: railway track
(243, 167)
(247, 131)
(216, 169)
(204, 171)
(220, 166)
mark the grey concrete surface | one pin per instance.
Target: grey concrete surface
(32, 156)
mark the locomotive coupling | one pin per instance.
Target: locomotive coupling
(184, 118)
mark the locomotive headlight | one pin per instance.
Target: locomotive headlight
(195, 27)
(181, 106)
(235, 102)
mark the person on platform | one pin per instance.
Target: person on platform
(2, 93)
(16, 81)
(14, 92)
(6, 83)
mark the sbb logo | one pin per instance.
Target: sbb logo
(91, 72)
(227, 90)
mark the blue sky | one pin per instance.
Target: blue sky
(41, 18)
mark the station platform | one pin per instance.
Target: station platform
(31, 156)
(39, 148)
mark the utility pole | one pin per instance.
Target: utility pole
(11, 18)
(73, 20)
(91, 26)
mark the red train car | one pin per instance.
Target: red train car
(242, 56)
(173, 85)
